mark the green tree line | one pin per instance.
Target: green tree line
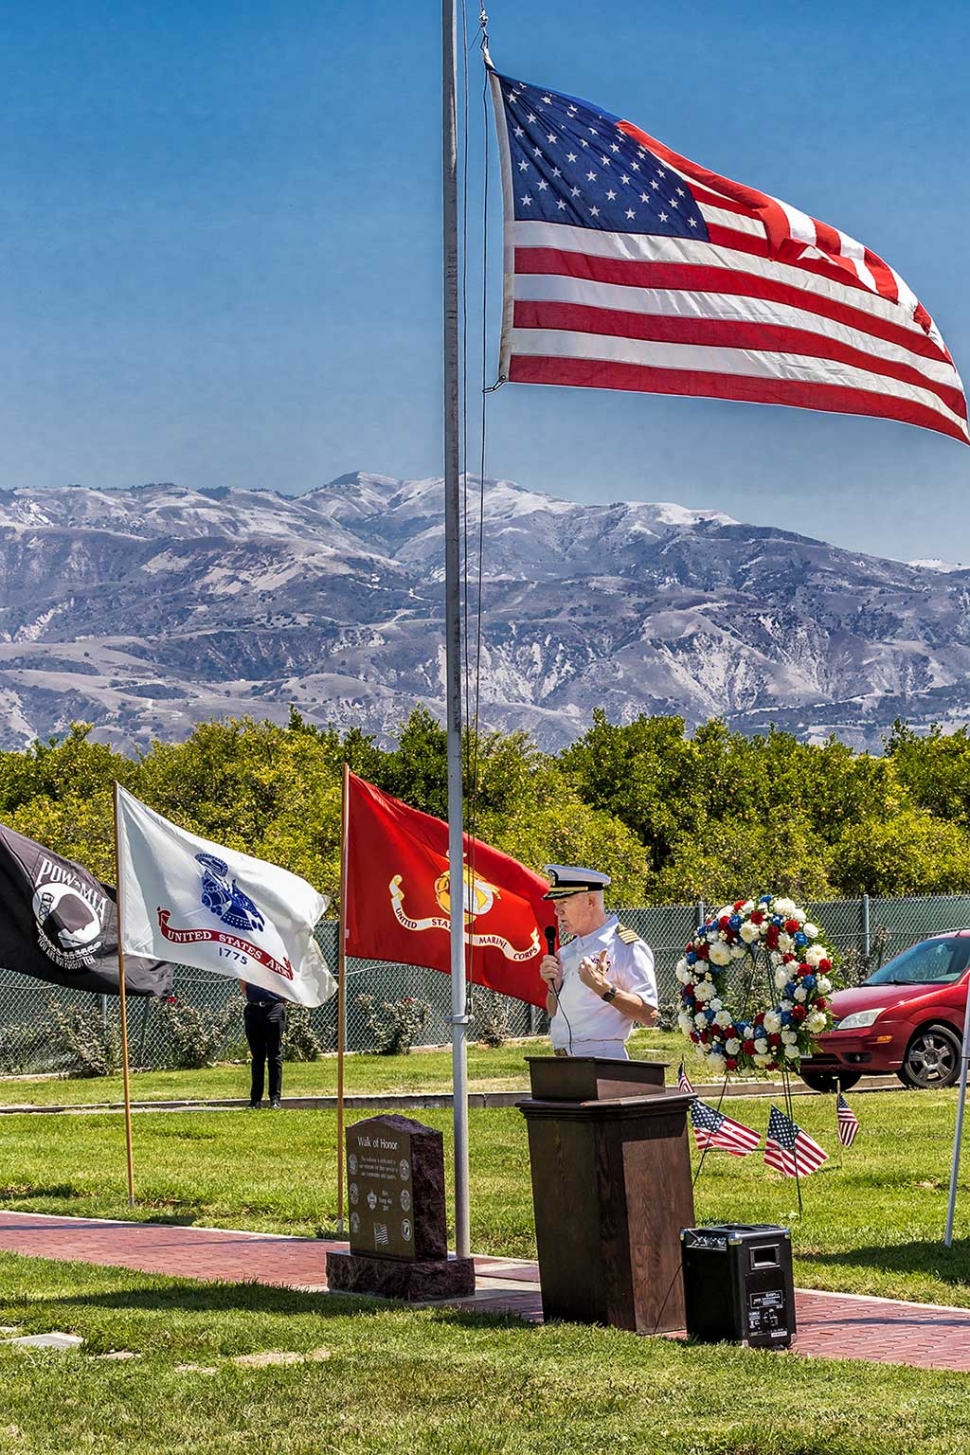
(669, 815)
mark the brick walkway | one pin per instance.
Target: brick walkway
(834, 1325)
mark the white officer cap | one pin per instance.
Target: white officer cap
(570, 879)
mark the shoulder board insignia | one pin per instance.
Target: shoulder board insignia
(629, 937)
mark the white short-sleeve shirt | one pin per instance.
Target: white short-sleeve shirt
(582, 1015)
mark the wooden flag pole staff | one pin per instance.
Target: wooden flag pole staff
(126, 1079)
(342, 995)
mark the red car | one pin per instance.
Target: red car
(906, 1018)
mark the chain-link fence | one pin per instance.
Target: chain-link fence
(33, 1015)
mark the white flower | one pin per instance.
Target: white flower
(761, 1047)
(811, 931)
(789, 1037)
(703, 991)
(776, 957)
(720, 955)
(792, 1051)
(683, 972)
(727, 910)
(772, 1022)
(813, 954)
(732, 1046)
(749, 933)
(785, 943)
(746, 907)
(700, 1020)
(786, 907)
(801, 993)
(761, 1058)
(785, 1004)
(781, 979)
(737, 952)
(823, 986)
(685, 1022)
(715, 1004)
(723, 1018)
(816, 1021)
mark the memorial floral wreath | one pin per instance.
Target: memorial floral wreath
(796, 961)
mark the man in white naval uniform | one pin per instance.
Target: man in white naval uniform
(602, 982)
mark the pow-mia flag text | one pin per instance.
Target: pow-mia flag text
(60, 924)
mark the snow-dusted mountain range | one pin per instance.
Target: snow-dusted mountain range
(148, 609)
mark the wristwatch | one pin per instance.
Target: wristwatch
(610, 994)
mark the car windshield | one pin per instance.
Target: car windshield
(934, 962)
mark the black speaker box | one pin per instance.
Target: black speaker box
(738, 1285)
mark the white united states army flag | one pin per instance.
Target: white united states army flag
(184, 899)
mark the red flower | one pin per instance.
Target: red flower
(798, 1013)
(748, 1047)
(757, 917)
(724, 921)
(738, 903)
(825, 966)
(792, 926)
(787, 958)
(688, 988)
(694, 1037)
(771, 937)
(731, 1062)
(772, 1066)
(702, 950)
(821, 1003)
(774, 1040)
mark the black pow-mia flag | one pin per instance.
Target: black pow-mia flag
(60, 924)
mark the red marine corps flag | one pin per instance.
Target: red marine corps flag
(398, 897)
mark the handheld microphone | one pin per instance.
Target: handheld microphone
(550, 934)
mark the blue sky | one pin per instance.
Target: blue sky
(220, 243)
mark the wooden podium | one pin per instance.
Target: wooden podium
(611, 1189)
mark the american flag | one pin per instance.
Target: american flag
(684, 1083)
(713, 1129)
(630, 267)
(790, 1150)
(848, 1121)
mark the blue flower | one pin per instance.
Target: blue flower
(809, 982)
(691, 958)
(710, 1016)
(800, 939)
(789, 991)
(776, 919)
(765, 899)
(786, 1017)
(735, 921)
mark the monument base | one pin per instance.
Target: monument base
(415, 1280)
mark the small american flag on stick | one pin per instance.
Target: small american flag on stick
(713, 1129)
(790, 1150)
(848, 1121)
(684, 1082)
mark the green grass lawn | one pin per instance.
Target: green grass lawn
(423, 1070)
(435, 1381)
(874, 1227)
(398, 1380)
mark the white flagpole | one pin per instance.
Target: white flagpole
(958, 1130)
(124, 1014)
(342, 997)
(459, 1013)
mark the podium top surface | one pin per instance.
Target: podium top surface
(593, 1078)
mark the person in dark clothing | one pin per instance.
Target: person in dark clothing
(265, 1019)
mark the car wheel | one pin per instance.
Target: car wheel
(932, 1059)
(830, 1081)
